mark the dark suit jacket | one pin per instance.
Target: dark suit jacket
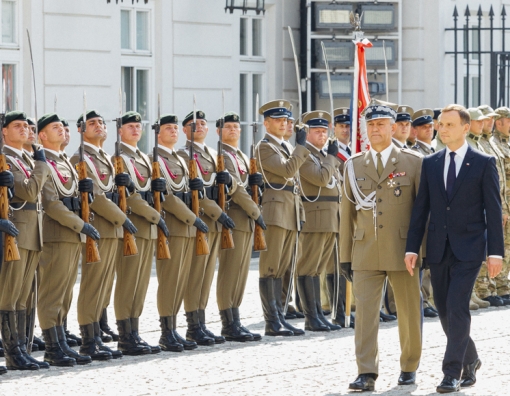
(471, 219)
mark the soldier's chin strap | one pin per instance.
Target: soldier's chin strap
(362, 201)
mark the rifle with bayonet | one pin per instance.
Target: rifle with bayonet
(130, 248)
(162, 249)
(91, 249)
(227, 240)
(11, 252)
(259, 239)
(202, 247)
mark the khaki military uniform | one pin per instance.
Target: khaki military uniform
(473, 141)
(133, 272)
(235, 263)
(173, 273)
(320, 183)
(423, 148)
(376, 251)
(500, 284)
(16, 277)
(202, 269)
(398, 143)
(97, 278)
(281, 203)
(62, 242)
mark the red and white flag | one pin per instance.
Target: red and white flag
(361, 96)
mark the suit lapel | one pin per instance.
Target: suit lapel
(440, 160)
(370, 169)
(464, 170)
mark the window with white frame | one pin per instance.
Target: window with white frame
(135, 31)
(251, 37)
(9, 87)
(135, 85)
(8, 21)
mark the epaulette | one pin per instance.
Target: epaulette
(411, 151)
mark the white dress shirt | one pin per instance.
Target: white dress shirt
(385, 155)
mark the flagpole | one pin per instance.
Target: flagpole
(354, 114)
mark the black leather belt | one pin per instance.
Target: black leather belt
(72, 203)
(184, 197)
(281, 187)
(148, 197)
(212, 192)
(321, 199)
(114, 197)
(24, 206)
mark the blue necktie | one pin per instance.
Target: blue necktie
(451, 176)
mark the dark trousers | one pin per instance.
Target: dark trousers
(452, 282)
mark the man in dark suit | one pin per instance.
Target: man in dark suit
(459, 190)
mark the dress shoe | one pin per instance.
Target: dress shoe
(387, 318)
(469, 373)
(477, 300)
(506, 299)
(494, 301)
(448, 385)
(429, 313)
(407, 378)
(364, 382)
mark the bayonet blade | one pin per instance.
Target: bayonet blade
(298, 75)
(324, 54)
(55, 104)
(194, 109)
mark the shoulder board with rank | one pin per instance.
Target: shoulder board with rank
(357, 155)
(411, 151)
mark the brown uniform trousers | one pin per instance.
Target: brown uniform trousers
(320, 185)
(133, 272)
(16, 277)
(234, 264)
(282, 208)
(107, 220)
(375, 257)
(202, 269)
(173, 273)
(62, 245)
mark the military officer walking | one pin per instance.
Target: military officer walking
(383, 181)
(201, 275)
(133, 272)
(234, 264)
(282, 210)
(16, 277)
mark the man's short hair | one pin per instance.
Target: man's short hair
(465, 118)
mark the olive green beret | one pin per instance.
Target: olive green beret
(14, 116)
(46, 120)
(31, 121)
(168, 119)
(131, 116)
(200, 116)
(64, 122)
(90, 114)
(231, 116)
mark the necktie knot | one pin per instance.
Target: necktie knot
(380, 166)
(452, 155)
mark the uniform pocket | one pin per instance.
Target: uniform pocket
(400, 190)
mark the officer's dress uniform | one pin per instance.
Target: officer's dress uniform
(173, 273)
(234, 264)
(196, 294)
(58, 265)
(283, 211)
(320, 193)
(16, 277)
(423, 148)
(133, 272)
(374, 242)
(107, 219)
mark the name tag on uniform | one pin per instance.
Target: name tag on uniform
(360, 178)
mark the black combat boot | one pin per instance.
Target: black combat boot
(134, 331)
(338, 306)
(71, 339)
(230, 330)
(1, 348)
(267, 297)
(109, 334)
(279, 306)
(89, 346)
(237, 319)
(188, 345)
(208, 333)
(22, 339)
(62, 340)
(320, 313)
(167, 341)
(195, 332)
(127, 342)
(3, 370)
(14, 359)
(101, 346)
(37, 343)
(53, 354)
(307, 297)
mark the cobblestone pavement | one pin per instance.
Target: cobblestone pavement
(314, 364)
